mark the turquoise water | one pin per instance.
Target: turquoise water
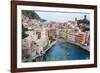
(66, 51)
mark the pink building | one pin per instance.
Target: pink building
(82, 38)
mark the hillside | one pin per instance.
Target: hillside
(31, 14)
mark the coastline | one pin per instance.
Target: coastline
(84, 47)
(50, 45)
(44, 51)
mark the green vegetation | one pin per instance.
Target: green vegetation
(29, 59)
(23, 32)
(39, 58)
(85, 21)
(32, 14)
(51, 39)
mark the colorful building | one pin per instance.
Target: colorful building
(82, 38)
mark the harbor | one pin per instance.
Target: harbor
(44, 40)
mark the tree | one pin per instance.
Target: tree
(83, 21)
(32, 15)
(23, 32)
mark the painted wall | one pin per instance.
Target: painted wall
(5, 36)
